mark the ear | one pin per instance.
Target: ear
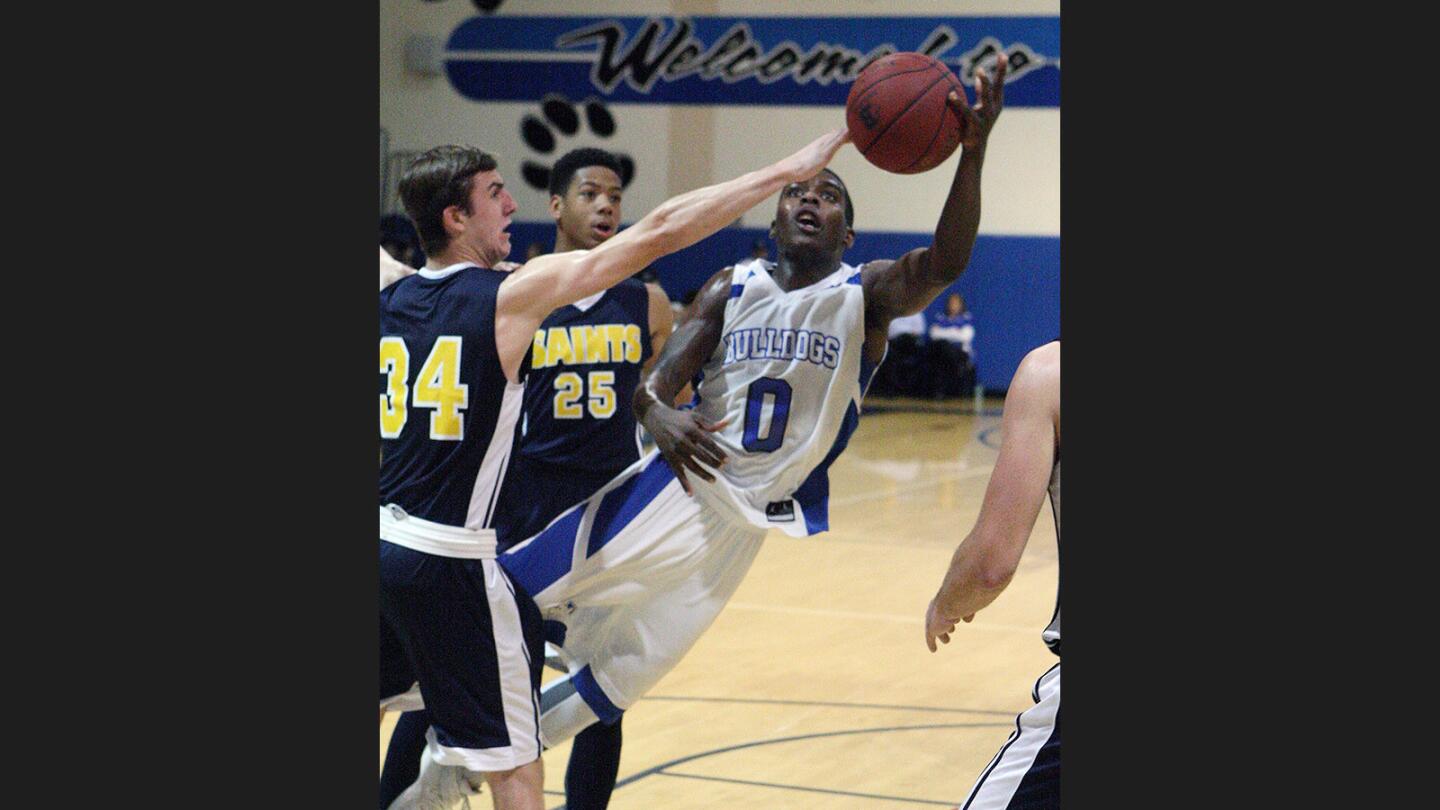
(849, 238)
(773, 236)
(453, 218)
(556, 203)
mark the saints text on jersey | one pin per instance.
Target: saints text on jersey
(602, 343)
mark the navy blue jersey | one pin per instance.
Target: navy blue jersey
(577, 428)
(447, 413)
(584, 368)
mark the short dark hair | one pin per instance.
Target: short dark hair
(849, 206)
(437, 179)
(576, 159)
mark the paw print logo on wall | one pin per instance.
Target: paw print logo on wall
(483, 6)
(557, 114)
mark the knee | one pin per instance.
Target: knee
(531, 773)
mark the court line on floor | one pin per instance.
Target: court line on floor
(660, 769)
(978, 624)
(837, 704)
(910, 486)
(810, 789)
(878, 407)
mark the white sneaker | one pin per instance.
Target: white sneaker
(440, 787)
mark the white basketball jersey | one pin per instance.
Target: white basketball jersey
(788, 374)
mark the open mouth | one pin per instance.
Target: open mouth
(807, 221)
(603, 229)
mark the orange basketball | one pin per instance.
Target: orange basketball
(897, 113)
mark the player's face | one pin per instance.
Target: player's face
(589, 213)
(491, 207)
(812, 212)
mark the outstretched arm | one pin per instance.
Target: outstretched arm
(682, 436)
(907, 285)
(559, 278)
(986, 559)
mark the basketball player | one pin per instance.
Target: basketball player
(577, 431)
(1025, 775)
(455, 339)
(781, 353)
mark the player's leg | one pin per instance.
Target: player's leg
(402, 756)
(519, 788)
(594, 759)
(622, 649)
(551, 565)
(1025, 775)
(475, 647)
(593, 767)
(396, 675)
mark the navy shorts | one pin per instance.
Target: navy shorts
(1025, 775)
(471, 637)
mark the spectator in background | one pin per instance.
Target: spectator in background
(951, 352)
(399, 239)
(903, 371)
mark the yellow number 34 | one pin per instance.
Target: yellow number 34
(437, 386)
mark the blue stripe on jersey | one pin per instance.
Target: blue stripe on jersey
(622, 504)
(854, 279)
(594, 696)
(867, 371)
(736, 290)
(814, 494)
(537, 564)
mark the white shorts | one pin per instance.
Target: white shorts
(628, 580)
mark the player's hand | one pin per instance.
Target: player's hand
(938, 626)
(684, 440)
(808, 162)
(975, 123)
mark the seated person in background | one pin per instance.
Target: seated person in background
(399, 239)
(952, 367)
(903, 372)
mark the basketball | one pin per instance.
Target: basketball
(897, 113)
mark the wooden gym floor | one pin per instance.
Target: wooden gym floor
(814, 688)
